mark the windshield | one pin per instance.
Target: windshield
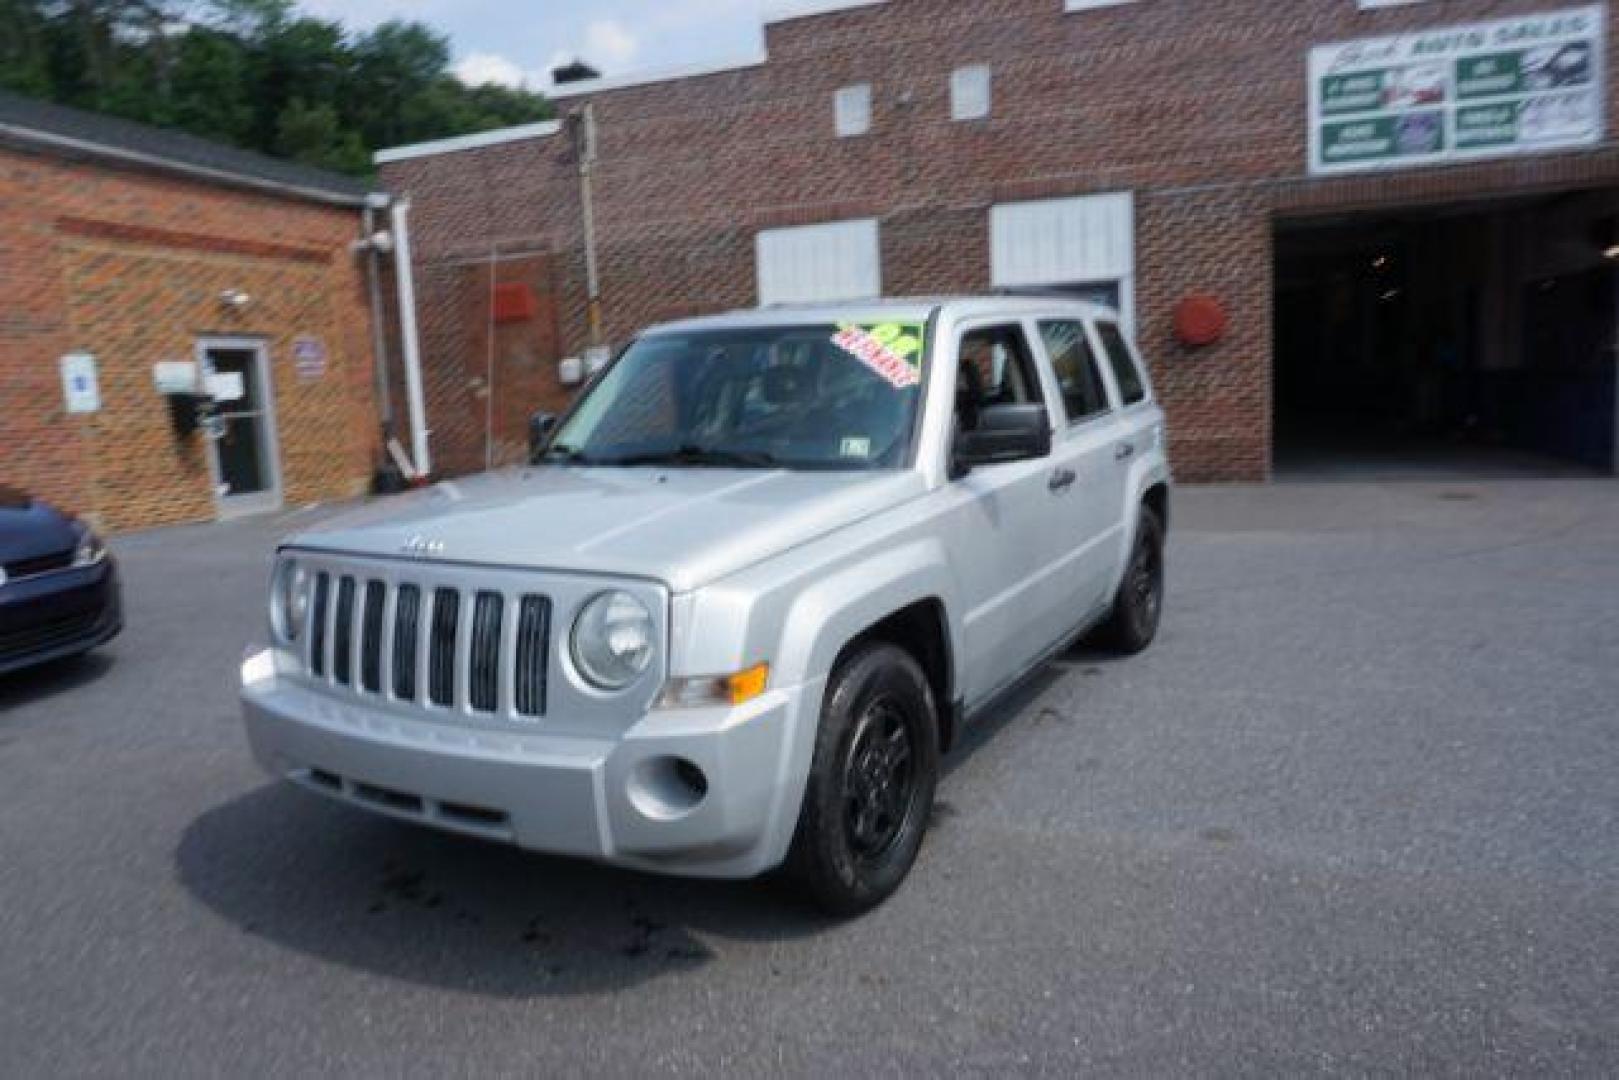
(796, 397)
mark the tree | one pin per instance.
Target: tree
(253, 73)
(314, 135)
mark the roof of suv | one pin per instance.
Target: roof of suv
(904, 309)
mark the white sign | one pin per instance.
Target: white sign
(79, 385)
(174, 377)
(1459, 93)
(227, 386)
(309, 358)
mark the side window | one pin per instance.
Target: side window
(1124, 365)
(996, 369)
(1075, 364)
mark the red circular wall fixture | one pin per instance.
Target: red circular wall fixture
(1199, 321)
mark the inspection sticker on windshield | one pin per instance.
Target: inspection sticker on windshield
(892, 350)
(854, 447)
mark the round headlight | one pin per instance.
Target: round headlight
(289, 600)
(612, 640)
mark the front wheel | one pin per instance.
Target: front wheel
(871, 784)
(1139, 604)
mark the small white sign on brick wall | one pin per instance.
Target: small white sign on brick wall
(80, 388)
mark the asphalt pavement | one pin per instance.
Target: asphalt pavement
(1356, 812)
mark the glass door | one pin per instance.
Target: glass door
(242, 440)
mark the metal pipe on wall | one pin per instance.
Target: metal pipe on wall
(410, 343)
(379, 344)
(585, 148)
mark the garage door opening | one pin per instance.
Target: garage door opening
(1473, 341)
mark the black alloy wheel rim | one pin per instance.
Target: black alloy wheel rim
(1146, 582)
(879, 780)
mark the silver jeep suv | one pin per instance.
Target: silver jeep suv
(750, 589)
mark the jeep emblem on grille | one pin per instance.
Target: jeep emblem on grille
(421, 545)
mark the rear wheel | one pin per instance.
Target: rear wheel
(1139, 604)
(871, 784)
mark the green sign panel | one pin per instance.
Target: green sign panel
(1489, 76)
(1514, 85)
(1382, 138)
(1353, 93)
(1487, 125)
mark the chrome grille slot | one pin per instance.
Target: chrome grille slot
(483, 689)
(317, 625)
(533, 645)
(343, 633)
(376, 594)
(407, 631)
(455, 643)
(441, 648)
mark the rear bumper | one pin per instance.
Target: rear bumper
(58, 615)
(615, 799)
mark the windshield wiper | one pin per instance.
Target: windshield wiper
(703, 457)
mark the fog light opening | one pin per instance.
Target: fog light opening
(692, 777)
(666, 788)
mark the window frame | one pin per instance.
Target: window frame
(1137, 367)
(1110, 401)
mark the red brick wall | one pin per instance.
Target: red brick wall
(1199, 106)
(129, 266)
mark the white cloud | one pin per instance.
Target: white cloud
(610, 45)
(478, 69)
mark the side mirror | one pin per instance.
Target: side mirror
(540, 426)
(1004, 433)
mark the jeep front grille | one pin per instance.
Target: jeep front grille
(480, 650)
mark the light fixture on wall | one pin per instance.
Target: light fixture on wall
(235, 299)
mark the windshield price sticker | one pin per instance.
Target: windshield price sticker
(892, 350)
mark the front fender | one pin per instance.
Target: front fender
(826, 616)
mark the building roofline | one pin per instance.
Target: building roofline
(657, 75)
(541, 130)
(783, 11)
(125, 155)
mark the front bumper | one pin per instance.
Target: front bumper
(614, 799)
(59, 614)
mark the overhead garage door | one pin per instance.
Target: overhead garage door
(838, 260)
(1085, 246)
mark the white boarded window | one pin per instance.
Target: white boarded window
(851, 109)
(838, 260)
(970, 93)
(1085, 245)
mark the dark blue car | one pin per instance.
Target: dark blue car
(59, 593)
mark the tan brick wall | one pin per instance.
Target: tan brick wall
(129, 266)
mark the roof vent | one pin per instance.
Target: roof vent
(573, 71)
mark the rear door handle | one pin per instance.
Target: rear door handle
(1061, 480)
(1124, 451)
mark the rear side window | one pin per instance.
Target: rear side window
(1075, 364)
(1131, 388)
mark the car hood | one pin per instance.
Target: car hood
(684, 527)
(30, 529)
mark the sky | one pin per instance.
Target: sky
(517, 42)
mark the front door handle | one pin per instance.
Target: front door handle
(1124, 452)
(1061, 480)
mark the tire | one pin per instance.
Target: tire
(871, 784)
(1138, 606)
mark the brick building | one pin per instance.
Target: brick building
(1404, 207)
(135, 261)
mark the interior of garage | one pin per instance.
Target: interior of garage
(1460, 341)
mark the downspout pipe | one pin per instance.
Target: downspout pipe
(379, 343)
(410, 340)
(585, 147)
